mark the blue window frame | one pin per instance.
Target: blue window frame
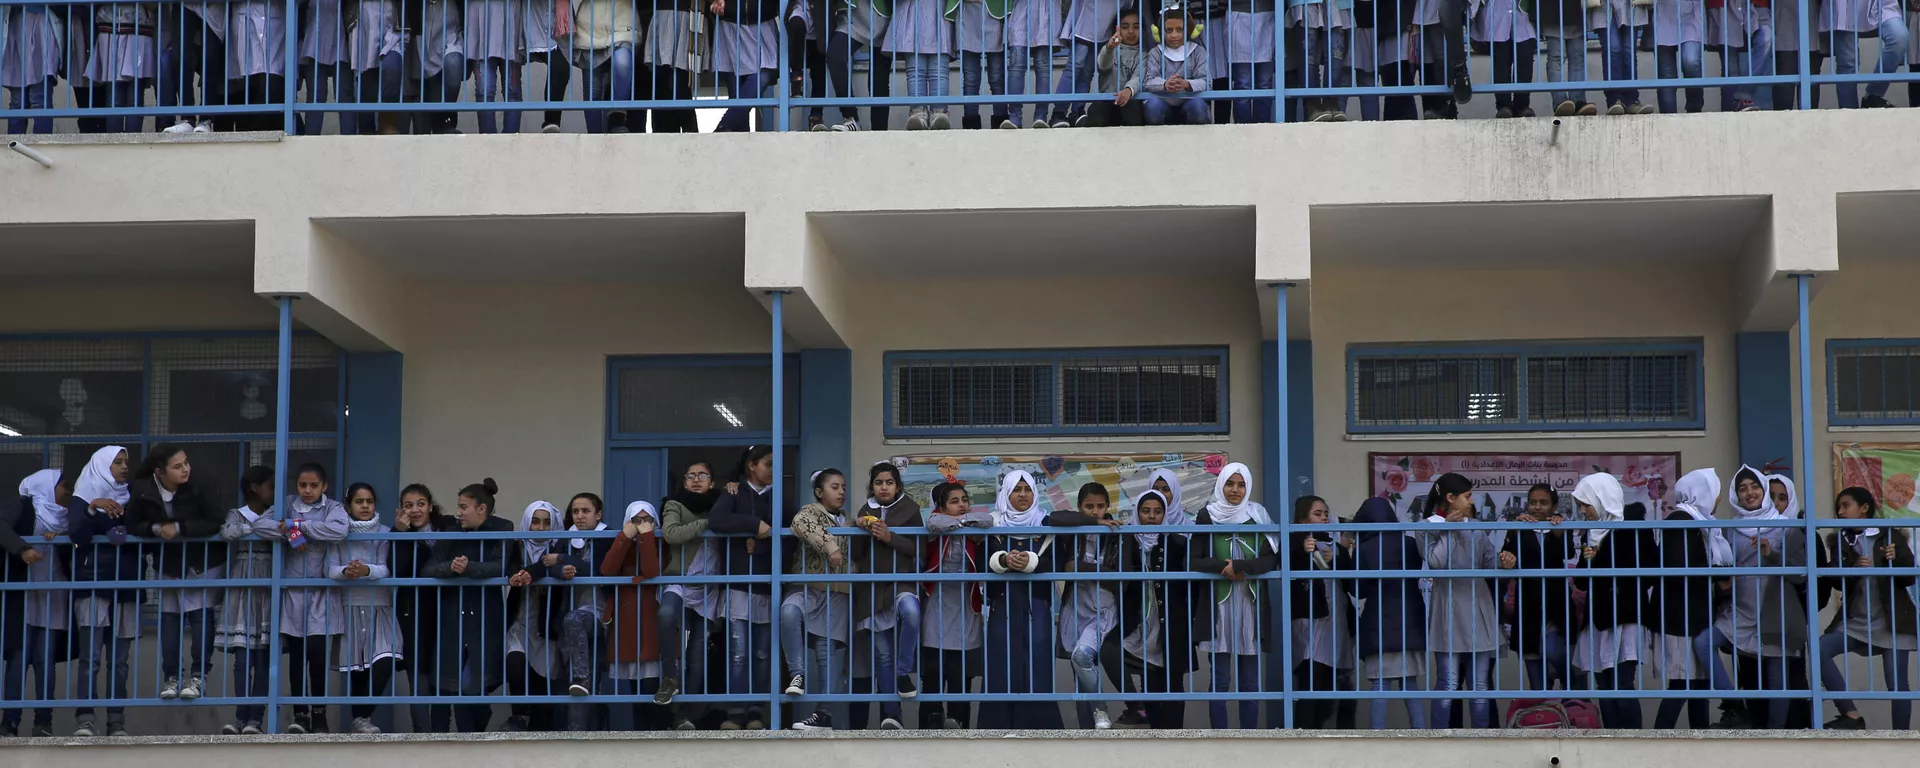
(1872, 382)
(1136, 391)
(1525, 386)
(64, 396)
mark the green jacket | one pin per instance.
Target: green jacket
(681, 528)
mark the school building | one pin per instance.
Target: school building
(580, 312)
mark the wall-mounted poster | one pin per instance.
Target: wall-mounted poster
(1886, 470)
(1500, 481)
(1060, 477)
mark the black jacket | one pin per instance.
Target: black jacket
(1681, 606)
(1393, 616)
(742, 512)
(198, 516)
(417, 609)
(1538, 602)
(1180, 627)
(1614, 601)
(472, 616)
(1201, 557)
(97, 558)
(1885, 594)
(562, 597)
(1309, 590)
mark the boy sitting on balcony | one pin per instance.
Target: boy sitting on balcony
(1174, 74)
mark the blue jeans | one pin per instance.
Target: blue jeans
(1618, 52)
(1674, 61)
(613, 80)
(173, 629)
(96, 641)
(1755, 60)
(673, 646)
(996, 66)
(1447, 675)
(1566, 63)
(1846, 54)
(1086, 678)
(749, 665)
(379, 85)
(1894, 664)
(897, 650)
(193, 49)
(493, 76)
(927, 76)
(1416, 711)
(1076, 78)
(1552, 664)
(316, 78)
(1161, 111)
(829, 671)
(744, 86)
(1226, 668)
(444, 88)
(1706, 650)
(1246, 76)
(1019, 60)
(250, 679)
(31, 653)
(30, 97)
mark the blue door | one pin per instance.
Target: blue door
(634, 474)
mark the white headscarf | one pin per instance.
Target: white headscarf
(634, 510)
(1698, 492)
(537, 548)
(580, 543)
(1149, 540)
(1765, 510)
(1602, 492)
(1004, 515)
(1246, 511)
(96, 480)
(49, 514)
(1176, 512)
(1792, 511)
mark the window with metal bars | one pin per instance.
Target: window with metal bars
(1873, 382)
(62, 398)
(1057, 392)
(1567, 386)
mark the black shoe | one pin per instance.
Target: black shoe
(797, 685)
(302, 723)
(1875, 102)
(1462, 82)
(1733, 717)
(906, 687)
(969, 122)
(668, 687)
(818, 721)
(516, 724)
(43, 731)
(1132, 718)
(1844, 723)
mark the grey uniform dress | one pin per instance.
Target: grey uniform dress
(31, 49)
(323, 32)
(308, 611)
(122, 54)
(952, 620)
(978, 30)
(441, 34)
(1033, 24)
(1461, 615)
(256, 39)
(246, 613)
(375, 33)
(371, 631)
(494, 30)
(920, 26)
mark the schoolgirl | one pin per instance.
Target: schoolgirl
(533, 661)
(982, 38)
(746, 54)
(1877, 613)
(632, 612)
(1463, 629)
(246, 613)
(257, 60)
(1562, 25)
(1033, 29)
(1240, 613)
(1317, 35)
(548, 23)
(32, 54)
(417, 609)
(1610, 646)
(470, 660)
(684, 519)
(1679, 39)
(814, 619)
(890, 611)
(38, 641)
(1157, 628)
(1681, 608)
(1090, 610)
(370, 646)
(124, 58)
(310, 524)
(1020, 612)
(1245, 46)
(1392, 634)
(1506, 26)
(954, 628)
(1088, 24)
(1742, 32)
(921, 34)
(106, 621)
(1533, 609)
(1760, 628)
(443, 63)
(324, 57)
(1619, 22)
(376, 51)
(192, 40)
(165, 503)
(748, 510)
(1322, 616)
(864, 23)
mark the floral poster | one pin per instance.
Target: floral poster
(1060, 476)
(1886, 470)
(1501, 481)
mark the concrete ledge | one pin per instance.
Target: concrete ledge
(101, 139)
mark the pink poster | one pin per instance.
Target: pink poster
(1500, 481)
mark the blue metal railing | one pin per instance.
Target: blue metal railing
(417, 65)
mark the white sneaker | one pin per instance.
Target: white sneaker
(1062, 123)
(1007, 124)
(548, 128)
(952, 724)
(363, 725)
(230, 729)
(252, 728)
(171, 690)
(891, 724)
(85, 730)
(817, 128)
(205, 126)
(849, 126)
(179, 128)
(191, 690)
(578, 689)
(1040, 123)
(940, 122)
(1100, 720)
(917, 120)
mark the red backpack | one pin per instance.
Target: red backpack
(1547, 714)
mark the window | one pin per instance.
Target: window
(1057, 392)
(1517, 388)
(722, 397)
(61, 399)
(1873, 382)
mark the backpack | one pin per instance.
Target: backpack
(1549, 714)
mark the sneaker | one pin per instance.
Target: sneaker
(1844, 723)
(85, 731)
(43, 731)
(730, 726)
(1080, 122)
(300, 724)
(891, 724)
(818, 721)
(1637, 108)
(756, 724)
(182, 127)
(1565, 108)
(1733, 717)
(917, 119)
(683, 725)
(1588, 109)
(1040, 123)
(514, 724)
(847, 126)
(1008, 124)
(1340, 117)
(797, 686)
(951, 724)
(619, 129)
(1875, 102)
(1132, 718)
(1101, 722)
(906, 687)
(550, 128)
(940, 121)
(191, 690)
(252, 728)
(1061, 122)
(171, 690)
(118, 732)
(668, 687)
(365, 726)
(579, 689)
(1503, 113)
(1432, 114)
(1321, 117)
(816, 127)
(1528, 112)
(230, 729)
(1462, 82)
(1616, 109)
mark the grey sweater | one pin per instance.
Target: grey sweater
(1119, 68)
(1157, 68)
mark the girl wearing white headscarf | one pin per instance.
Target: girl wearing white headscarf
(36, 622)
(1167, 484)
(1157, 628)
(106, 621)
(1680, 609)
(1610, 646)
(1020, 630)
(1241, 613)
(532, 662)
(1463, 629)
(636, 655)
(1758, 629)
(103, 482)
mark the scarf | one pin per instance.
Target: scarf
(96, 479)
(1176, 511)
(1602, 492)
(1764, 512)
(1150, 540)
(50, 515)
(1175, 54)
(1247, 511)
(1004, 515)
(1698, 492)
(697, 503)
(582, 543)
(364, 526)
(634, 510)
(534, 549)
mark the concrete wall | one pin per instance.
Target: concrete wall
(79, 307)
(1353, 306)
(1867, 300)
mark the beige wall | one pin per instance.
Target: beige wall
(1355, 306)
(1078, 312)
(509, 380)
(1866, 300)
(37, 307)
